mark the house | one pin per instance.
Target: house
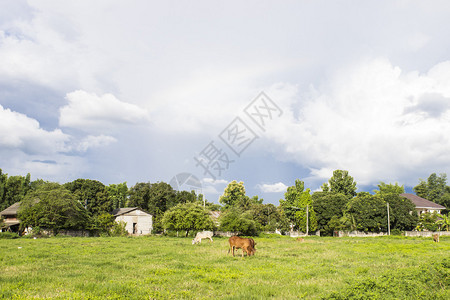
(11, 223)
(138, 222)
(423, 205)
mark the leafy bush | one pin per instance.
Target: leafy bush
(118, 229)
(8, 235)
(396, 231)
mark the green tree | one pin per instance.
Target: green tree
(384, 188)
(297, 204)
(368, 212)
(266, 216)
(140, 196)
(187, 217)
(234, 195)
(444, 222)
(428, 221)
(402, 212)
(329, 208)
(434, 189)
(118, 195)
(92, 194)
(52, 207)
(13, 189)
(342, 183)
(187, 197)
(155, 198)
(234, 220)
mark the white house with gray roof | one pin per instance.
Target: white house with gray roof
(423, 205)
(138, 222)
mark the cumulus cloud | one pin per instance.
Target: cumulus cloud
(89, 112)
(372, 119)
(94, 142)
(273, 188)
(214, 181)
(19, 132)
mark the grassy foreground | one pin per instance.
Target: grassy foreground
(172, 268)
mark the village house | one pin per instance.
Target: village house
(11, 223)
(423, 205)
(138, 222)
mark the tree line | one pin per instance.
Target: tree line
(86, 204)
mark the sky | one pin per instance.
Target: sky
(201, 93)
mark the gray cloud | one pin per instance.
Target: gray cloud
(432, 104)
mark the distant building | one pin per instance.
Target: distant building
(11, 223)
(138, 222)
(423, 205)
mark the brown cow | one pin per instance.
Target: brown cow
(247, 245)
(436, 237)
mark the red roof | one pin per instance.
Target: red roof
(420, 202)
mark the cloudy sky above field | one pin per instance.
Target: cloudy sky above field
(141, 91)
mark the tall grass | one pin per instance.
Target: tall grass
(173, 268)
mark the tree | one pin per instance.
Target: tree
(118, 195)
(187, 217)
(297, 205)
(342, 183)
(92, 194)
(140, 196)
(266, 216)
(329, 208)
(162, 197)
(234, 220)
(13, 189)
(155, 198)
(384, 188)
(402, 212)
(234, 195)
(52, 207)
(444, 222)
(434, 189)
(428, 221)
(186, 197)
(367, 212)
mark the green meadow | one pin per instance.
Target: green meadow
(172, 268)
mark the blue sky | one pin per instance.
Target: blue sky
(135, 91)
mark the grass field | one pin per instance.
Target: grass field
(172, 268)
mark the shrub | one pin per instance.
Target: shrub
(9, 235)
(118, 229)
(428, 282)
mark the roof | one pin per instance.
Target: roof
(420, 202)
(121, 211)
(12, 210)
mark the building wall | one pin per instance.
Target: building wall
(422, 210)
(137, 222)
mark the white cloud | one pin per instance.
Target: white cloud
(273, 188)
(360, 121)
(94, 142)
(90, 112)
(212, 181)
(18, 131)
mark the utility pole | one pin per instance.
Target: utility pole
(389, 223)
